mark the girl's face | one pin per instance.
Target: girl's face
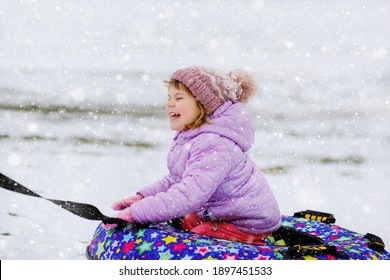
(182, 108)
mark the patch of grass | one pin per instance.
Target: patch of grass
(106, 142)
(39, 138)
(277, 169)
(139, 144)
(13, 214)
(4, 136)
(147, 111)
(356, 160)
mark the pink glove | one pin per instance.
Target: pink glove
(123, 215)
(122, 204)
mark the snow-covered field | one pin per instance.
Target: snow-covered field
(82, 105)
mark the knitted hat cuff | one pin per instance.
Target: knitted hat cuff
(210, 87)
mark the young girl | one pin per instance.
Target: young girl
(212, 181)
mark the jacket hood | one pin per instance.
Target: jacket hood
(230, 120)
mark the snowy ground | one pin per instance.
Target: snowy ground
(81, 105)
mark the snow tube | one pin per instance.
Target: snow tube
(303, 236)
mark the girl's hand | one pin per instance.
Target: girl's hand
(123, 215)
(123, 204)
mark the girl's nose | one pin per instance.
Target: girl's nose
(170, 103)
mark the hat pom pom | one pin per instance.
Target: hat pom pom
(247, 82)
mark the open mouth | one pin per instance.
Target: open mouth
(174, 116)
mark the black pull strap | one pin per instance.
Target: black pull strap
(326, 218)
(291, 236)
(298, 252)
(86, 211)
(375, 242)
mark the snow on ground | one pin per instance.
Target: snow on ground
(82, 118)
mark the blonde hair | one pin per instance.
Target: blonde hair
(203, 116)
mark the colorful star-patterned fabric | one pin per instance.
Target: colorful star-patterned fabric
(164, 242)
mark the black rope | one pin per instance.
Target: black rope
(299, 252)
(290, 236)
(86, 211)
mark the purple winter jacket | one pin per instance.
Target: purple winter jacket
(209, 169)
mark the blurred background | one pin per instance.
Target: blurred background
(82, 105)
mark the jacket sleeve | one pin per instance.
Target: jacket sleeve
(206, 168)
(159, 186)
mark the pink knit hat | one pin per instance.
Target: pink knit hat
(213, 88)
